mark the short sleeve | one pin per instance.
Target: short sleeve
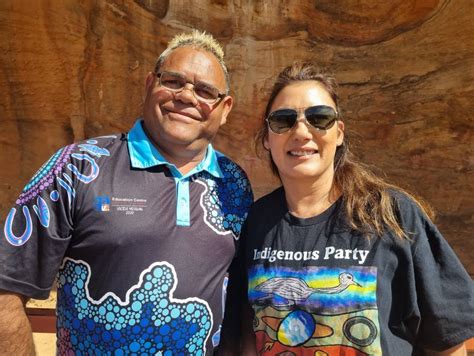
(444, 290)
(36, 232)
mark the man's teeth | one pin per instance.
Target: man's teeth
(303, 153)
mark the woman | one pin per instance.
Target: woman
(338, 261)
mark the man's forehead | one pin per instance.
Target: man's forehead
(194, 63)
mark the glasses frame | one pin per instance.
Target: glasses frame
(220, 95)
(296, 112)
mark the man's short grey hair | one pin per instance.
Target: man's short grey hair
(197, 40)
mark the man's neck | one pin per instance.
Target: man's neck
(185, 168)
(184, 158)
(184, 164)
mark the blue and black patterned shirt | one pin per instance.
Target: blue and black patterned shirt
(142, 250)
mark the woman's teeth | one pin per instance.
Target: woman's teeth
(303, 153)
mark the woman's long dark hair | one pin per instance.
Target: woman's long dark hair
(368, 203)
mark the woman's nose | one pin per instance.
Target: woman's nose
(301, 128)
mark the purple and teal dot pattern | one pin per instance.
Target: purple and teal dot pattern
(46, 179)
(45, 176)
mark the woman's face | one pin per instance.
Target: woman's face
(304, 152)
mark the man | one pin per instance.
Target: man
(141, 226)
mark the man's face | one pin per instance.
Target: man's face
(179, 125)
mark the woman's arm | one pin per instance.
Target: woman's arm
(248, 347)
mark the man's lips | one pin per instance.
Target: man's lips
(180, 114)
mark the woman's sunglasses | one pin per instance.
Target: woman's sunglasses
(321, 117)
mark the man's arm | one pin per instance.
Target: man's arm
(230, 333)
(16, 337)
(458, 350)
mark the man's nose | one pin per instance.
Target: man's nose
(187, 94)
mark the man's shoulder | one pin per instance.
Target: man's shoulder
(98, 145)
(234, 183)
(224, 159)
(95, 147)
(230, 169)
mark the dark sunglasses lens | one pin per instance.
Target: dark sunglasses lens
(282, 120)
(322, 117)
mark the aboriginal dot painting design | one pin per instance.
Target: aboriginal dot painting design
(226, 201)
(315, 310)
(150, 321)
(216, 338)
(45, 175)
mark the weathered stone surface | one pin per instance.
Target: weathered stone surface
(73, 69)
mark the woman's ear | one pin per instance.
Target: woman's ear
(340, 132)
(266, 145)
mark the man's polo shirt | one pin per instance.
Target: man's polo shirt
(143, 155)
(142, 250)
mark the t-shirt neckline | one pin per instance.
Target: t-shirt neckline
(324, 216)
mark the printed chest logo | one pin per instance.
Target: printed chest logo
(127, 206)
(329, 253)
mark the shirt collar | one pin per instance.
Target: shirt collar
(143, 154)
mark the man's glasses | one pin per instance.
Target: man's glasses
(321, 117)
(203, 92)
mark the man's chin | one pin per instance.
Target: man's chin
(184, 140)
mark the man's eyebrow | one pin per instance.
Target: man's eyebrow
(201, 81)
(176, 73)
(207, 84)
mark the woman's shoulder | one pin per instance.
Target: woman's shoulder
(269, 204)
(407, 205)
(413, 216)
(277, 195)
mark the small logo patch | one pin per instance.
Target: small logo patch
(126, 206)
(102, 203)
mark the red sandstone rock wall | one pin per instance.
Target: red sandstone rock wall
(76, 69)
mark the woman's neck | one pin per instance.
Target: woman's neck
(306, 199)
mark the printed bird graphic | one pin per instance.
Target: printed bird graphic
(295, 290)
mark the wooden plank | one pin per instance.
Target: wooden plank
(43, 320)
(470, 345)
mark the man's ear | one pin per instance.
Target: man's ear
(149, 81)
(340, 132)
(227, 104)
